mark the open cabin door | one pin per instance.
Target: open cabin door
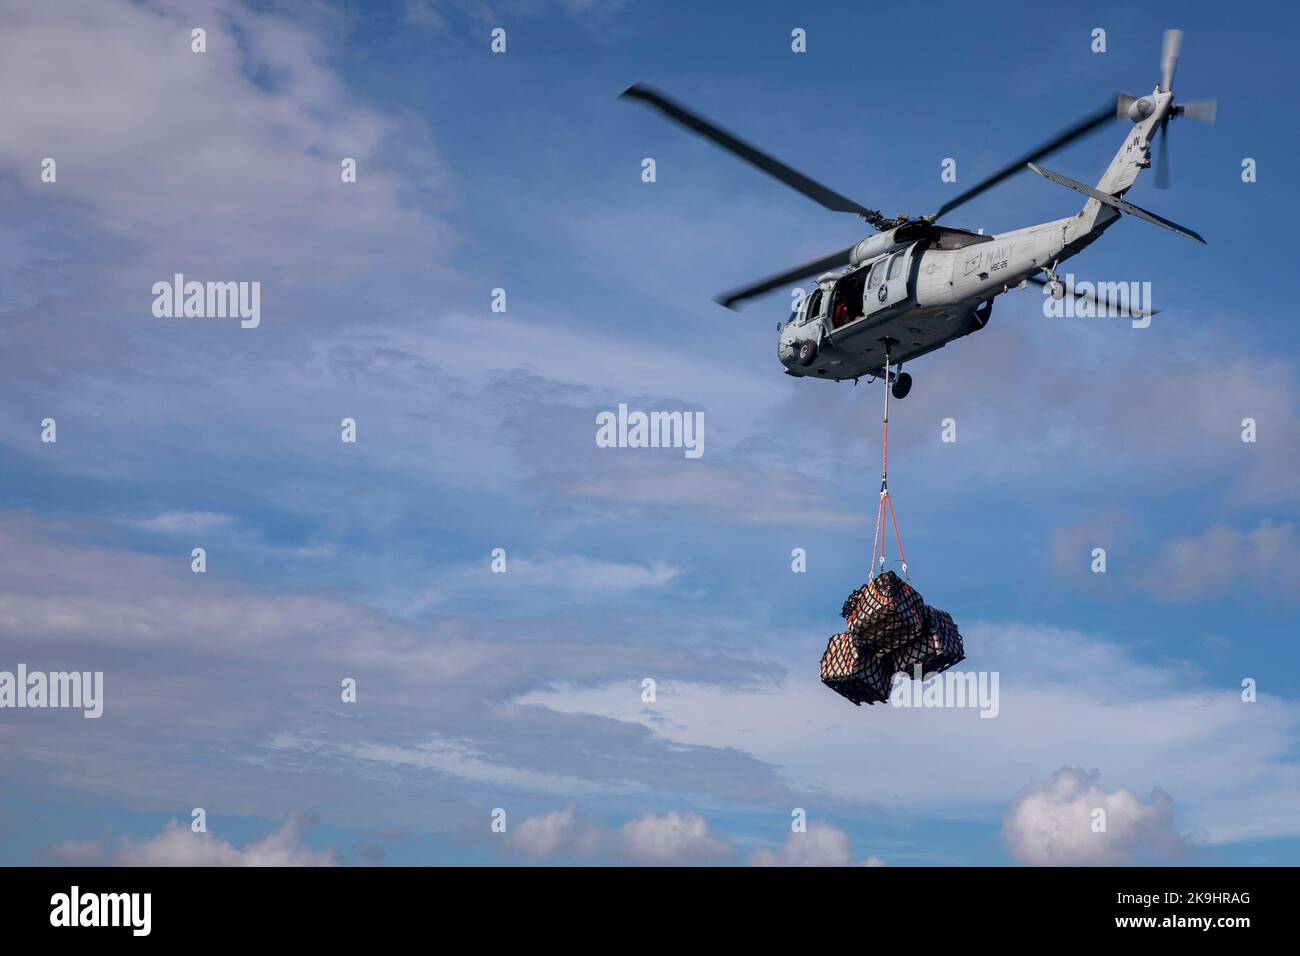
(846, 299)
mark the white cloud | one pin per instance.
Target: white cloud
(1065, 697)
(545, 835)
(459, 758)
(78, 853)
(176, 521)
(544, 579)
(669, 839)
(581, 572)
(233, 154)
(250, 678)
(177, 845)
(1054, 824)
(438, 15)
(819, 845)
(1265, 560)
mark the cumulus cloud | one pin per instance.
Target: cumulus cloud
(651, 840)
(671, 838)
(178, 845)
(543, 835)
(1056, 823)
(819, 845)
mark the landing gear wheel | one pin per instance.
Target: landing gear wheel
(1057, 288)
(807, 352)
(902, 385)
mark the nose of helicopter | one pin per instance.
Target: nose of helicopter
(786, 349)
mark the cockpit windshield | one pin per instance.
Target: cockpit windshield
(814, 308)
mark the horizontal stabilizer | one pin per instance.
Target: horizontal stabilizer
(1115, 203)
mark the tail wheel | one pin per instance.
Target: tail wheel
(902, 385)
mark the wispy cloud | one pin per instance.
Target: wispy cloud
(1263, 561)
(173, 522)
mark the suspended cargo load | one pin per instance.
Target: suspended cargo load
(886, 613)
(852, 670)
(888, 626)
(938, 648)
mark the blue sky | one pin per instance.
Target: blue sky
(476, 429)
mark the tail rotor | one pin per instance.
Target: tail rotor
(1203, 111)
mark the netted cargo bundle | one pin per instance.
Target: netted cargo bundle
(938, 648)
(851, 669)
(852, 601)
(888, 614)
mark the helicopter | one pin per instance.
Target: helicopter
(915, 285)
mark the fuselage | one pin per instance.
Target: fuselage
(920, 296)
(921, 286)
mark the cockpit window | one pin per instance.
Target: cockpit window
(814, 306)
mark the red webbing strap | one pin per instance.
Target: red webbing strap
(886, 500)
(897, 537)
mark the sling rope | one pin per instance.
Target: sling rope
(886, 500)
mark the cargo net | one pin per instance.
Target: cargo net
(938, 648)
(886, 613)
(889, 628)
(853, 670)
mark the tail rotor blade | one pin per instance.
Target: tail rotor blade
(1173, 45)
(1162, 157)
(1203, 111)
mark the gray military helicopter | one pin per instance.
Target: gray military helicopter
(914, 286)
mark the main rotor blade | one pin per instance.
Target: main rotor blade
(1081, 128)
(1173, 45)
(833, 261)
(753, 155)
(1106, 303)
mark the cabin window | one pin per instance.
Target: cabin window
(895, 266)
(877, 274)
